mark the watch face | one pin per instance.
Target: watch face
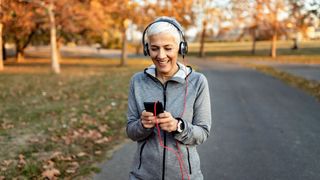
(180, 126)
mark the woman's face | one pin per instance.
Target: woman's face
(163, 50)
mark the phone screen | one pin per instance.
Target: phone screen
(149, 107)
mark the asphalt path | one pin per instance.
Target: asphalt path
(262, 129)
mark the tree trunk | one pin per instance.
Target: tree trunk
(203, 34)
(274, 45)
(296, 42)
(254, 40)
(4, 53)
(1, 45)
(19, 53)
(124, 48)
(138, 48)
(53, 38)
(59, 49)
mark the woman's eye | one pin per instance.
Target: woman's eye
(168, 49)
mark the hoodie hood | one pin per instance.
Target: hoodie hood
(179, 76)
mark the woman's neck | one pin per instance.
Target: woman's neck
(165, 77)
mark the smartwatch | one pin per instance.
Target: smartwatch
(180, 127)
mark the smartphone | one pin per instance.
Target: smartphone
(149, 107)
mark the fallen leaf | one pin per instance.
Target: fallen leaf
(70, 171)
(49, 165)
(67, 158)
(56, 155)
(51, 173)
(103, 128)
(3, 169)
(97, 152)
(101, 141)
(81, 154)
(21, 161)
(7, 162)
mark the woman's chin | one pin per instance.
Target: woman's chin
(163, 70)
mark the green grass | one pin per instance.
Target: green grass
(74, 117)
(309, 50)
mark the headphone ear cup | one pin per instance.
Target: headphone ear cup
(183, 48)
(146, 50)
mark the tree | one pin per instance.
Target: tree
(268, 20)
(300, 13)
(64, 19)
(254, 18)
(1, 42)
(209, 15)
(49, 7)
(19, 25)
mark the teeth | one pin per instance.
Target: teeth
(163, 62)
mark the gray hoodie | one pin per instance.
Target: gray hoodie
(151, 161)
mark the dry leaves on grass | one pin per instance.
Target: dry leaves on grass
(92, 134)
(72, 167)
(5, 164)
(50, 172)
(6, 125)
(58, 156)
(21, 161)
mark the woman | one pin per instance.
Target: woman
(167, 142)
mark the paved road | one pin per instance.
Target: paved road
(263, 129)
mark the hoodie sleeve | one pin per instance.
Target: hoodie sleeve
(198, 131)
(135, 130)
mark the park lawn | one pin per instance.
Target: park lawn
(61, 125)
(309, 51)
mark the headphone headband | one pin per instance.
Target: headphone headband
(183, 47)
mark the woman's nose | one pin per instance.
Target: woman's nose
(162, 53)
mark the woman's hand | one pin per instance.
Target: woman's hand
(147, 119)
(167, 122)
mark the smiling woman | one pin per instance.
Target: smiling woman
(167, 141)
